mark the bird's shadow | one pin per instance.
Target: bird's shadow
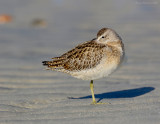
(129, 93)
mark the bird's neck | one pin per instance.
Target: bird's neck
(117, 46)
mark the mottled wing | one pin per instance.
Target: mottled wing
(84, 56)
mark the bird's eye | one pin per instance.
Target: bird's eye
(102, 36)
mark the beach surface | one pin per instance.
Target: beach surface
(29, 94)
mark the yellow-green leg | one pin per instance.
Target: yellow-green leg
(92, 92)
(93, 97)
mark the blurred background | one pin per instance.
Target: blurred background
(39, 29)
(32, 31)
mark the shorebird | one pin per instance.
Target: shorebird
(92, 59)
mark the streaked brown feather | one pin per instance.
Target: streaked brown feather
(84, 56)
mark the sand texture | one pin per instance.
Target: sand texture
(42, 29)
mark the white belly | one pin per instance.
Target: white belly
(101, 70)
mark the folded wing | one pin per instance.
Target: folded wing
(84, 56)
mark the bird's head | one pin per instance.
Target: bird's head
(108, 36)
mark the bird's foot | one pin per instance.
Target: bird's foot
(98, 103)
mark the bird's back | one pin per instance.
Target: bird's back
(84, 56)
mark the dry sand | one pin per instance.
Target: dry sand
(31, 95)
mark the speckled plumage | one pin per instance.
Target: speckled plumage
(88, 56)
(84, 56)
(92, 59)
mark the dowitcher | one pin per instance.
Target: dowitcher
(92, 59)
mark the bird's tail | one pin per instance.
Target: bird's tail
(55, 64)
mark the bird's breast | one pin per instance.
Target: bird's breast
(108, 64)
(101, 70)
